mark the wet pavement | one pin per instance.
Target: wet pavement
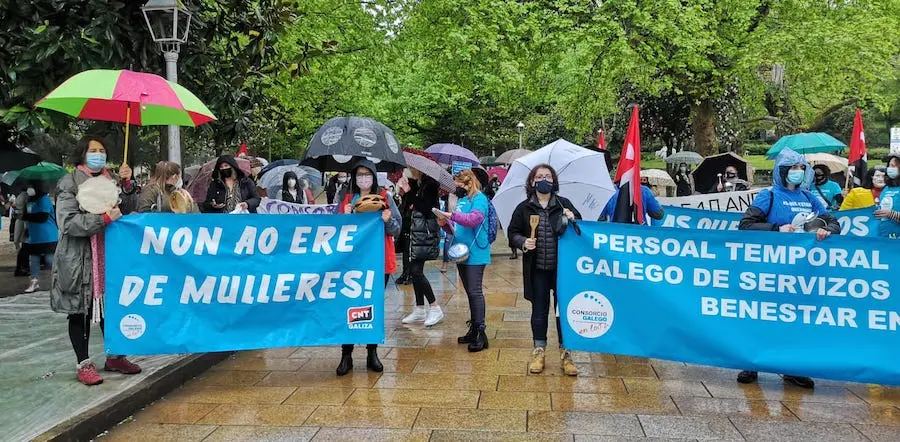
(433, 389)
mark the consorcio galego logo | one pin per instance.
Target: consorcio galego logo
(590, 314)
(360, 318)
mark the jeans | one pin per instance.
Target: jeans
(421, 286)
(542, 282)
(34, 262)
(472, 277)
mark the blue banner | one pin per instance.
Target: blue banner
(202, 283)
(858, 222)
(770, 301)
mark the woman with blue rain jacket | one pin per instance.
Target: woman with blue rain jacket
(888, 209)
(776, 210)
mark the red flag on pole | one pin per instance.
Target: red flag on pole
(858, 157)
(243, 151)
(630, 203)
(601, 141)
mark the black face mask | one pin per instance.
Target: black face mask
(461, 192)
(226, 173)
(730, 175)
(820, 179)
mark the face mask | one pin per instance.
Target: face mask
(878, 181)
(292, 183)
(226, 173)
(820, 179)
(31, 192)
(461, 192)
(543, 186)
(795, 177)
(364, 181)
(342, 179)
(730, 175)
(180, 183)
(96, 160)
(892, 172)
(682, 169)
(408, 174)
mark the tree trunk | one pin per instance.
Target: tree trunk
(703, 124)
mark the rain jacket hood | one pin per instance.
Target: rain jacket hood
(368, 165)
(783, 162)
(238, 173)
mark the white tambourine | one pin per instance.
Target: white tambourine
(98, 195)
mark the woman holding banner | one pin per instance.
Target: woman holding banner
(888, 210)
(788, 207)
(365, 195)
(164, 192)
(471, 231)
(78, 269)
(535, 227)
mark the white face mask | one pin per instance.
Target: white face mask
(180, 183)
(292, 183)
(408, 174)
(342, 179)
(364, 181)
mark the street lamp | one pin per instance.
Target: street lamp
(521, 127)
(169, 23)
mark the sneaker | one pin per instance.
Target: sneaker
(469, 337)
(418, 315)
(435, 315)
(87, 373)
(747, 377)
(568, 367)
(537, 361)
(33, 287)
(800, 381)
(121, 365)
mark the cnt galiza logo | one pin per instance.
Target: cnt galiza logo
(360, 318)
(590, 314)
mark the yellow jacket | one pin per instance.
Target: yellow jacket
(858, 198)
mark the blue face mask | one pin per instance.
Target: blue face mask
(892, 172)
(96, 160)
(796, 177)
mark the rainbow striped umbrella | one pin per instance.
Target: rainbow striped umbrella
(127, 97)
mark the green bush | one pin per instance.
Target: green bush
(756, 148)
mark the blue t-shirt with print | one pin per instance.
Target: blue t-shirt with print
(480, 249)
(786, 204)
(888, 228)
(827, 191)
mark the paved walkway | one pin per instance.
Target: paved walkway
(433, 389)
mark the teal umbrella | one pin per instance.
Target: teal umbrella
(42, 171)
(804, 143)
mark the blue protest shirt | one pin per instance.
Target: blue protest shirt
(787, 204)
(651, 205)
(45, 232)
(479, 248)
(888, 228)
(828, 191)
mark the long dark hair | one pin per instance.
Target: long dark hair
(529, 187)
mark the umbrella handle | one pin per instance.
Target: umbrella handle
(127, 126)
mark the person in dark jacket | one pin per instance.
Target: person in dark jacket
(539, 262)
(296, 190)
(406, 193)
(230, 188)
(776, 209)
(337, 185)
(684, 184)
(424, 239)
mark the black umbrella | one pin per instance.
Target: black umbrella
(13, 158)
(342, 140)
(706, 174)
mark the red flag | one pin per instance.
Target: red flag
(601, 141)
(630, 205)
(858, 157)
(242, 152)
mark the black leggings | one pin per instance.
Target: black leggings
(421, 286)
(80, 333)
(542, 283)
(348, 348)
(472, 277)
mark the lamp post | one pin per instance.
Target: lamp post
(521, 127)
(169, 23)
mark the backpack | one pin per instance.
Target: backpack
(493, 222)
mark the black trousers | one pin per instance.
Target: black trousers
(543, 282)
(348, 348)
(80, 333)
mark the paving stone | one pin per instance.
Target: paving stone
(767, 430)
(691, 427)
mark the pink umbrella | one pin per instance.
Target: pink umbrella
(499, 171)
(200, 184)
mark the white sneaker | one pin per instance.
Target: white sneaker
(418, 315)
(435, 315)
(33, 287)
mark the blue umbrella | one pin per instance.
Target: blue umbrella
(804, 143)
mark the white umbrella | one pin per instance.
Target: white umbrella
(583, 179)
(834, 162)
(658, 177)
(510, 156)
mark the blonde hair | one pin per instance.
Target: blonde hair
(470, 181)
(163, 171)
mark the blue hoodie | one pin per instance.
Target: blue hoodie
(786, 203)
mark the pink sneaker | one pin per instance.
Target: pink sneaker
(87, 373)
(121, 365)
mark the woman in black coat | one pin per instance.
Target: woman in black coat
(424, 239)
(230, 188)
(540, 259)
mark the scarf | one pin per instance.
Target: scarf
(98, 261)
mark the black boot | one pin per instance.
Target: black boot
(346, 364)
(372, 361)
(515, 254)
(469, 337)
(404, 279)
(480, 342)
